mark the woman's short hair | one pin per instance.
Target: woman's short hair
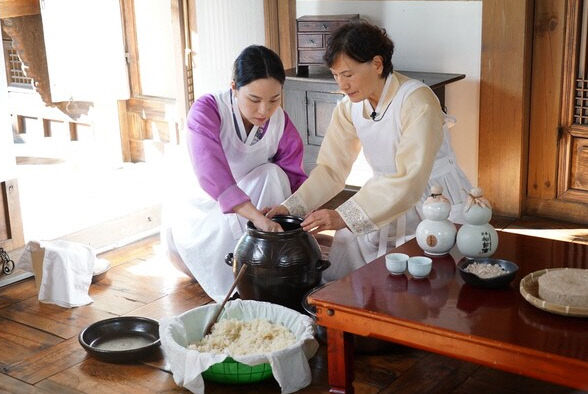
(361, 41)
(257, 62)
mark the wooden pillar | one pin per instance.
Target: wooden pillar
(287, 32)
(504, 103)
(15, 8)
(183, 60)
(280, 23)
(73, 131)
(270, 12)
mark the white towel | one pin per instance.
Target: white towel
(67, 270)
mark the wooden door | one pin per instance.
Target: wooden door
(160, 73)
(557, 182)
(573, 138)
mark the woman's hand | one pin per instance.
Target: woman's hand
(265, 224)
(323, 219)
(257, 217)
(277, 210)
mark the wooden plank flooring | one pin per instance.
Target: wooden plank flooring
(40, 351)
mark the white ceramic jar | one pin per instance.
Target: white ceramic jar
(477, 237)
(436, 234)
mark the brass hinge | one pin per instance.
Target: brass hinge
(6, 263)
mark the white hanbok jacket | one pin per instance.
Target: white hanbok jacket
(408, 149)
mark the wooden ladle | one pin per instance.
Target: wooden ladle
(218, 312)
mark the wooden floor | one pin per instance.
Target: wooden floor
(39, 349)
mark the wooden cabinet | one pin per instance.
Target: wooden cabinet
(310, 101)
(312, 34)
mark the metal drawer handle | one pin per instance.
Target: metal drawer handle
(311, 41)
(325, 26)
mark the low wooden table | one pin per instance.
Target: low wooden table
(441, 314)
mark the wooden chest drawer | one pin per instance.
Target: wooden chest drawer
(320, 26)
(311, 57)
(312, 35)
(310, 41)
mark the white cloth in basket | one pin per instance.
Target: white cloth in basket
(289, 365)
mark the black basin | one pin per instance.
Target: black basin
(121, 339)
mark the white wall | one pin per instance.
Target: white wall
(435, 36)
(225, 27)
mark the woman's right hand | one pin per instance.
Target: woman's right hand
(257, 217)
(277, 210)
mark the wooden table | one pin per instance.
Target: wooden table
(442, 314)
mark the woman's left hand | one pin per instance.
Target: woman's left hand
(323, 219)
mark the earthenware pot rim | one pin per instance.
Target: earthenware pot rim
(253, 231)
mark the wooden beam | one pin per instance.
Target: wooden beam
(192, 32)
(182, 60)
(73, 131)
(17, 123)
(14, 8)
(504, 103)
(272, 32)
(557, 209)
(287, 32)
(46, 126)
(123, 121)
(280, 29)
(128, 9)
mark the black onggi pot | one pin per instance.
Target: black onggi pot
(281, 267)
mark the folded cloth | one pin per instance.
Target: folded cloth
(289, 365)
(65, 271)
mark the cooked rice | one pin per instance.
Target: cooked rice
(485, 271)
(237, 337)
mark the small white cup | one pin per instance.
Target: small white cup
(396, 263)
(419, 266)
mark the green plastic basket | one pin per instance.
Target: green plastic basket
(234, 372)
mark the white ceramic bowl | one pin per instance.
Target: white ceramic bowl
(396, 263)
(419, 266)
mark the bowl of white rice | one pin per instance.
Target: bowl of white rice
(487, 272)
(240, 338)
(251, 341)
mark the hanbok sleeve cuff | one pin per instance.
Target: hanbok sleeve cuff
(295, 205)
(231, 197)
(355, 217)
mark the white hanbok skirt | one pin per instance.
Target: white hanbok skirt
(202, 235)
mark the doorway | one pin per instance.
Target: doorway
(91, 171)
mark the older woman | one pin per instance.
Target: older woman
(400, 126)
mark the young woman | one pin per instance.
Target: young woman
(246, 155)
(400, 126)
